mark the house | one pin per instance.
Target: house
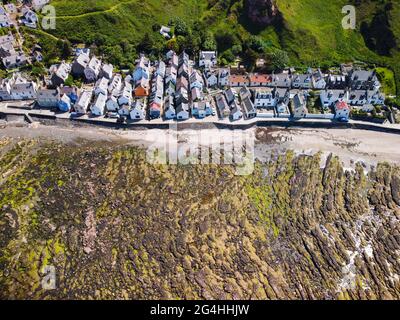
(358, 98)
(11, 8)
(259, 80)
(330, 97)
(22, 89)
(171, 74)
(302, 81)
(101, 87)
(126, 96)
(222, 106)
(5, 89)
(183, 59)
(99, 106)
(169, 109)
(183, 71)
(197, 95)
(165, 32)
(173, 59)
(115, 85)
(137, 111)
(7, 45)
(375, 97)
(169, 55)
(265, 98)
(231, 95)
(318, 80)
(299, 106)
(124, 110)
(202, 109)
(211, 78)
(342, 110)
(107, 71)
(336, 82)
(223, 77)
(142, 88)
(207, 59)
(60, 74)
(244, 92)
(161, 69)
(282, 97)
(79, 65)
(236, 112)
(39, 4)
(37, 56)
(238, 80)
(82, 105)
(281, 80)
(81, 49)
(182, 96)
(71, 92)
(363, 80)
(196, 80)
(157, 90)
(182, 111)
(170, 89)
(112, 104)
(47, 98)
(142, 69)
(64, 103)
(182, 83)
(248, 108)
(92, 70)
(29, 18)
(15, 60)
(154, 110)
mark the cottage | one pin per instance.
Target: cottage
(171, 75)
(115, 85)
(197, 95)
(211, 78)
(358, 97)
(22, 89)
(244, 92)
(299, 106)
(137, 111)
(182, 96)
(183, 59)
(183, 71)
(259, 80)
(60, 74)
(161, 69)
(196, 80)
(236, 112)
(64, 103)
(238, 81)
(142, 70)
(5, 89)
(222, 106)
(182, 111)
(302, 81)
(101, 87)
(124, 110)
(39, 4)
(173, 59)
(112, 104)
(363, 80)
(16, 60)
(170, 88)
(182, 83)
(318, 80)
(142, 88)
(99, 106)
(248, 108)
(29, 18)
(7, 45)
(47, 98)
(336, 82)
(169, 109)
(126, 96)
(165, 32)
(330, 97)
(265, 98)
(71, 92)
(281, 80)
(92, 70)
(223, 77)
(80, 64)
(154, 110)
(201, 109)
(342, 110)
(82, 105)
(231, 95)
(11, 8)
(107, 71)
(207, 59)
(375, 97)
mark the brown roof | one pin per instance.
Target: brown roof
(260, 78)
(238, 78)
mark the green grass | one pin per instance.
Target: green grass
(386, 77)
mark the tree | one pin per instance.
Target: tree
(279, 59)
(66, 49)
(209, 42)
(146, 44)
(181, 28)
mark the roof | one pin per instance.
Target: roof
(260, 78)
(298, 101)
(233, 78)
(341, 105)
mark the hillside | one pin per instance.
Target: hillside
(116, 227)
(309, 30)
